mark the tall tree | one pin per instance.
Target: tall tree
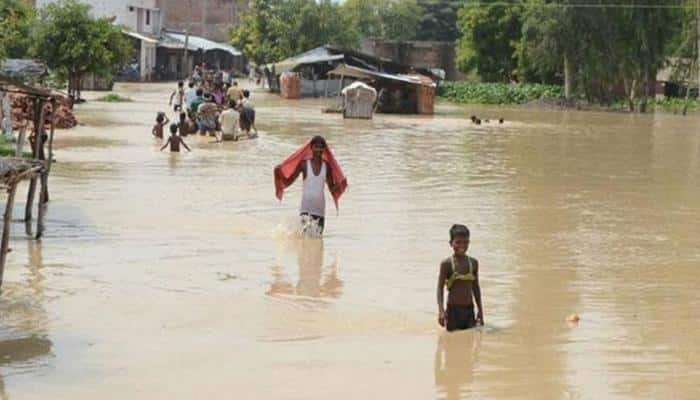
(439, 20)
(488, 41)
(74, 44)
(275, 29)
(400, 20)
(16, 19)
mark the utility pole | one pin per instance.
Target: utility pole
(185, 61)
(697, 40)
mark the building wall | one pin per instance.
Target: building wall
(211, 19)
(125, 12)
(420, 54)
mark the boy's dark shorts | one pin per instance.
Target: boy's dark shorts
(321, 221)
(460, 317)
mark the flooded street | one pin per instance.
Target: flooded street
(175, 276)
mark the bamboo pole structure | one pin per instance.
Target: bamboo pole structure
(14, 169)
(38, 136)
(7, 219)
(21, 137)
(49, 160)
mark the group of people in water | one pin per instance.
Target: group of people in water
(207, 107)
(203, 109)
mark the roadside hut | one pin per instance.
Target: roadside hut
(326, 70)
(359, 100)
(397, 93)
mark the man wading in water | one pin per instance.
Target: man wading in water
(316, 163)
(460, 273)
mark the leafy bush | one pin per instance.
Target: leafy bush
(676, 104)
(497, 93)
(114, 98)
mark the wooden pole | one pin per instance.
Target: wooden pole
(339, 103)
(7, 219)
(21, 137)
(38, 128)
(49, 161)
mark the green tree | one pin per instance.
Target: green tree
(592, 49)
(272, 30)
(439, 20)
(74, 44)
(366, 16)
(393, 20)
(400, 20)
(489, 38)
(255, 35)
(16, 19)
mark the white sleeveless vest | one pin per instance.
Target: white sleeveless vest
(313, 199)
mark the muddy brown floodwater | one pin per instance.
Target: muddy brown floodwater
(175, 276)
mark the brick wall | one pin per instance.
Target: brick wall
(417, 54)
(209, 18)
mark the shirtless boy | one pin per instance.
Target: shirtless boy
(161, 121)
(174, 140)
(460, 274)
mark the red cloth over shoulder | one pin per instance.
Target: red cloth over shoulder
(287, 168)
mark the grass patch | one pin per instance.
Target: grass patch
(114, 98)
(7, 148)
(497, 93)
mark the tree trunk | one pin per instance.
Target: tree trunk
(567, 78)
(645, 98)
(630, 89)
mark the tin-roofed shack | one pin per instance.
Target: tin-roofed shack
(326, 70)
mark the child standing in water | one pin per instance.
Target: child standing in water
(460, 274)
(161, 121)
(179, 96)
(174, 141)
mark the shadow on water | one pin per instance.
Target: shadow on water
(456, 356)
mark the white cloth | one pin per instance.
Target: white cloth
(229, 122)
(313, 199)
(190, 95)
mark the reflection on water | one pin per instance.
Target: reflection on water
(312, 280)
(456, 357)
(24, 338)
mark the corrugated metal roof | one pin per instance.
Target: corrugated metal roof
(319, 54)
(22, 68)
(197, 43)
(356, 72)
(140, 36)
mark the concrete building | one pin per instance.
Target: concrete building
(155, 26)
(143, 20)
